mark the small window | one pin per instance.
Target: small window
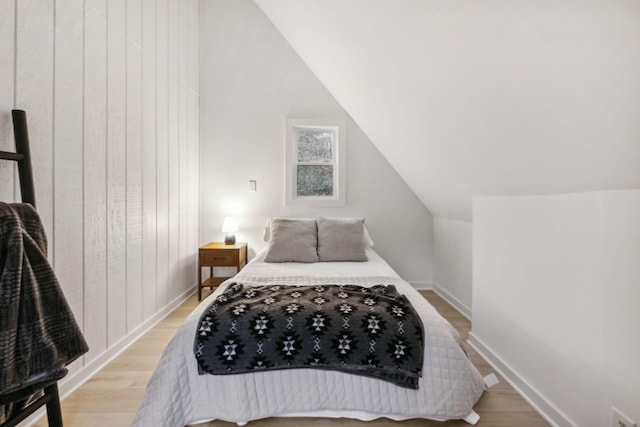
(315, 162)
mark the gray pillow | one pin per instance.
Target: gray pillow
(341, 239)
(292, 240)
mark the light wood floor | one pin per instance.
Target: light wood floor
(112, 396)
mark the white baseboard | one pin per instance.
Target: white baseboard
(549, 412)
(422, 285)
(70, 384)
(453, 301)
(73, 381)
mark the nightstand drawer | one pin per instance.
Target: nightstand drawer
(220, 258)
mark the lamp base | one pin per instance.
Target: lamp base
(230, 239)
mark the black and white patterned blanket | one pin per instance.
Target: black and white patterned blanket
(39, 336)
(372, 331)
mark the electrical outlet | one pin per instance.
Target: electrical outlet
(618, 419)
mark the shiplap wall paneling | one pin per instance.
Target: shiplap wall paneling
(116, 171)
(113, 126)
(174, 141)
(7, 30)
(34, 94)
(95, 175)
(194, 153)
(134, 163)
(194, 46)
(162, 153)
(192, 191)
(67, 157)
(183, 210)
(183, 134)
(149, 159)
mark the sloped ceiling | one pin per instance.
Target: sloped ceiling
(475, 97)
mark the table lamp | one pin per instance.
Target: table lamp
(229, 226)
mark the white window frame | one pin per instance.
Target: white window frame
(335, 126)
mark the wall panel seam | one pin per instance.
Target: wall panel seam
(126, 168)
(155, 163)
(106, 180)
(14, 188)
(53, 141)
(84, 89)
(15, 63)
(142, 162)
(108, 174)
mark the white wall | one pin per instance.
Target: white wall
(251, 80)
(111, 94)
(453, 273)
(490, 97)
(555, 298)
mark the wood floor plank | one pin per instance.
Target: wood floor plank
(113, 395)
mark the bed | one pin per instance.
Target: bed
(448, 388)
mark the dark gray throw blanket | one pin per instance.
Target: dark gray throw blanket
(372, 331)
(38, 333)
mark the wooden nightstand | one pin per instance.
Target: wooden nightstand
(219, 255)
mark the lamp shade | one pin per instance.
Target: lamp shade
(230, 225)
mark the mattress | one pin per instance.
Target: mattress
(177, 395)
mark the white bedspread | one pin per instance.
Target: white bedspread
(177, 396)
(376, 266)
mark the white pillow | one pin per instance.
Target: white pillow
(292, 240)
(341, 239)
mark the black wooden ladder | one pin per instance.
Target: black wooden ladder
(22, 156)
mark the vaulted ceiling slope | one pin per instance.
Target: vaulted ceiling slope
(489, 97)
